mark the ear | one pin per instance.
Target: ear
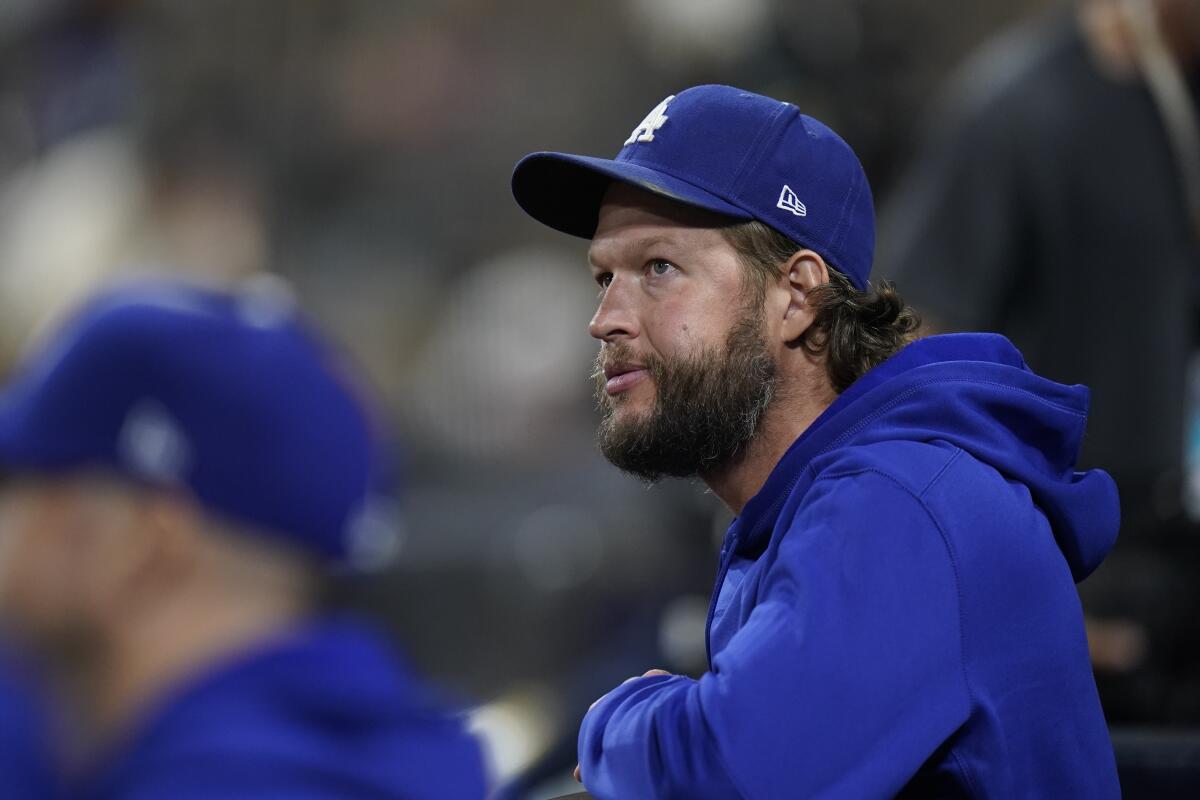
(804, 272)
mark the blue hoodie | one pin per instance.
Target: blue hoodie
(323, 714)
(26, 762)
(896, 608)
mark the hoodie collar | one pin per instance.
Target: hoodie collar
(758, 516)
(974, 392)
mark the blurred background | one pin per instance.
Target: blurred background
(361, 149)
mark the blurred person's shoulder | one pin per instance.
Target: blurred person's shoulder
(1006, 78)
(331, 711)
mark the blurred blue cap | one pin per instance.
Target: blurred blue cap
(729, 151)
(226, 394)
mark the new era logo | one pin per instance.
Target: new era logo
(789, 202)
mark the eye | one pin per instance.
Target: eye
(658, 267)
(604, 279)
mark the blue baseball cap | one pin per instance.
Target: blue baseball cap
(227, 395)
(728, 151)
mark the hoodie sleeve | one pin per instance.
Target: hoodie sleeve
(844, 678)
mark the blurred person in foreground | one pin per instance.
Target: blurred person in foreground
(1056, 199)
(895, 610)
(183, 470)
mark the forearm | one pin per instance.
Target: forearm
(648, 739)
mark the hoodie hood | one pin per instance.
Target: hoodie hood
(974, 392)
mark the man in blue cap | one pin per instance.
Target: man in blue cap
(895, 611)
(182, 468)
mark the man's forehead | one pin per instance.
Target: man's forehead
(18, 483)
(56, 484)
(632, 218)
(626, 200)
(10, 478)
(630, 240)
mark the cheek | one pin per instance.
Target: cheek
(687, 324)
(43, 578)
(672, 325)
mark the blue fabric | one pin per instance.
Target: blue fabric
(896, 610)
(26, 761)
(326, 713)
(229, 394)
(728, 151)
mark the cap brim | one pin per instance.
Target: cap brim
(18, 453)
(13, 453)
(565, 191)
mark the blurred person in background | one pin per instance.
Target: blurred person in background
(183, 470)
(26, 756)
(1056, 199)
(895, 610)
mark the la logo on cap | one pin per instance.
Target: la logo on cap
(152, 444)
(644, 132)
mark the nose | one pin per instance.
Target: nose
(615, 318)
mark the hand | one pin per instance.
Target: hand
(647, 674)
